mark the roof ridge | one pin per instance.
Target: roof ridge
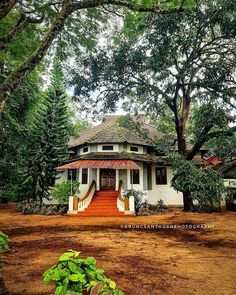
(134, 134)
(119, 129)
(103, 129)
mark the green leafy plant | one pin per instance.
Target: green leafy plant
(42, 209)
(4, 242)
(62, 191)
(138, 197)
(76, 275)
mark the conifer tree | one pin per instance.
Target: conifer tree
(48, 139)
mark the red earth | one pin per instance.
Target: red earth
(143, 261)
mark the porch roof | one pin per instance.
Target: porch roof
(107, 164)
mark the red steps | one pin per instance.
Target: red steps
(104, 203)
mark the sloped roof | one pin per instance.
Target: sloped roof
(228, 169)
(120, 156)
(111, 132)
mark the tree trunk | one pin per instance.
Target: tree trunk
(188, 202)
(6, 6)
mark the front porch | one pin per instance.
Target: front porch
(101, 187)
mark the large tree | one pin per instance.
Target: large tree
(52, 17)
(172, 62)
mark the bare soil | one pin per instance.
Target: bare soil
(141, 261)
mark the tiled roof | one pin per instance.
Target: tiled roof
(111, 132)
(121, 156)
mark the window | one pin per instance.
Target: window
(107, 147)
(134, 148)
(161, 176)
(85, 149)
(74, 174)
(135, 174)
(84, 176)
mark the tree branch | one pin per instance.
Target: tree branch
(204, 137)
(19, 27)
(6, 6)
(16, 77)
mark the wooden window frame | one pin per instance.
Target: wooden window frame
(74, 174)
(133, 179)
(107, 147)
(85, 149)
(84, 176)
(134, 147)
(162, 179)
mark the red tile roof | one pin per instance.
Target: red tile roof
(107, 164)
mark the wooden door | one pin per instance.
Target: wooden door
(107, 179)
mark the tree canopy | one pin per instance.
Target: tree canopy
(180, 65)
(53, 19)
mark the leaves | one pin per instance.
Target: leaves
(4, 242)
(67, 255)
(74, 274)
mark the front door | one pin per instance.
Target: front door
(107, 179)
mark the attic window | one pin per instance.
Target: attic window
(85, 149)
(107, 147)
(134, 148)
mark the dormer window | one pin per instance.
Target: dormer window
(85, 149)
(134, 148)
(107, 147)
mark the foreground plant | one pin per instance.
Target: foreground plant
(4, 242)
(79, 275)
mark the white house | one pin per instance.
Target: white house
(109, 159)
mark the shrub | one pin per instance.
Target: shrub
(75, 274)
(62, 191)
(34, 208)
(4, 242)
(138, 197)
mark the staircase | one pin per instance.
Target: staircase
(104, 203)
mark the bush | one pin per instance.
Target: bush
(62, 191)
(138, 197)
(80, 275)
(147, 209)
(34, 208)
(4, 242)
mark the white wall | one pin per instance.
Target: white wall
(136, 186)
(164, 191)
(140, 149)
(61, 177)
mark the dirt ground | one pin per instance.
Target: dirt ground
(142, 261)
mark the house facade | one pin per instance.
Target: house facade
(109, 159)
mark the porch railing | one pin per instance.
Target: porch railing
(120, 199)
(87, 198)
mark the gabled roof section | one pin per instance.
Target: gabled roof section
(111, 132)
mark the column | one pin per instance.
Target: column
(98, 179)
(117, 180)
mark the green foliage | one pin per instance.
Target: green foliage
(32, 207)
(14, 124)
(75, 274)
(138, 197)
(62, 191)
(208, 115)
(47, 138)
(4, 242)
(205, 186)
(224, 147)
(78, 126)
(136, 126)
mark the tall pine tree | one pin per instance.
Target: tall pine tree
(48, 139)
